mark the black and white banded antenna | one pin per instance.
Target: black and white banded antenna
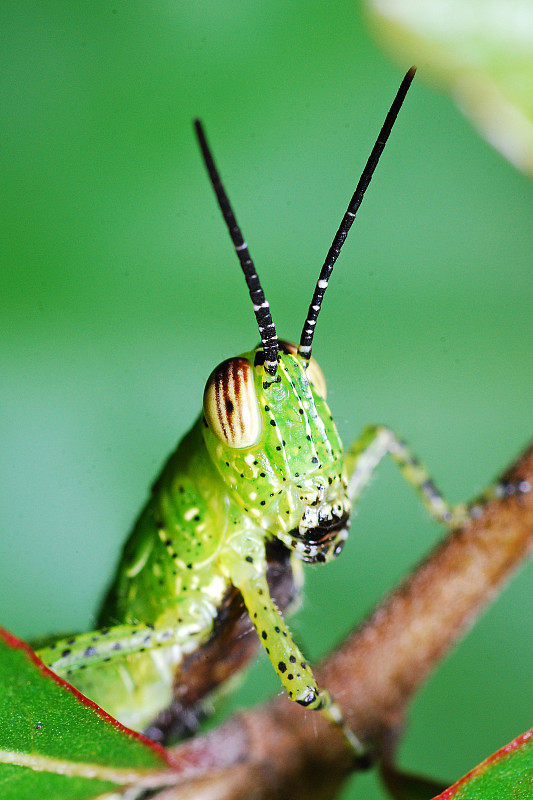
(306, 340)
(267, 330)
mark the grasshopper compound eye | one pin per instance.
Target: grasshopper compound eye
(230, 404)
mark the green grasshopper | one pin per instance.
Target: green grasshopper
(259, 485)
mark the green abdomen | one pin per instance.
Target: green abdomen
(167, 587)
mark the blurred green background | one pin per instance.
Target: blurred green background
(119, 292)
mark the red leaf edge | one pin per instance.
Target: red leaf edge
(17, 644)
(497, 756)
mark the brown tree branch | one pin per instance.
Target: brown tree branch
(279, 750)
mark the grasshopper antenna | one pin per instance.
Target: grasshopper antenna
(267, 330)
(306, 340)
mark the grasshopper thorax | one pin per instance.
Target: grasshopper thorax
(276, 447)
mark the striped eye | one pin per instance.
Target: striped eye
(230, 403)
(314, 373)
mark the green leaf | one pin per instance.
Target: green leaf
(482, 51)
(507, 773)
(56, 744)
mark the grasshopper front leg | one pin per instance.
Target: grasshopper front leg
(376, 441)
(247, 572)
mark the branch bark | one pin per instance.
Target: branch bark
(278, 750)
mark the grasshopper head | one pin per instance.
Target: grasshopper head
(276, 446)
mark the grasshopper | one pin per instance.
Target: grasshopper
(258, 486)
